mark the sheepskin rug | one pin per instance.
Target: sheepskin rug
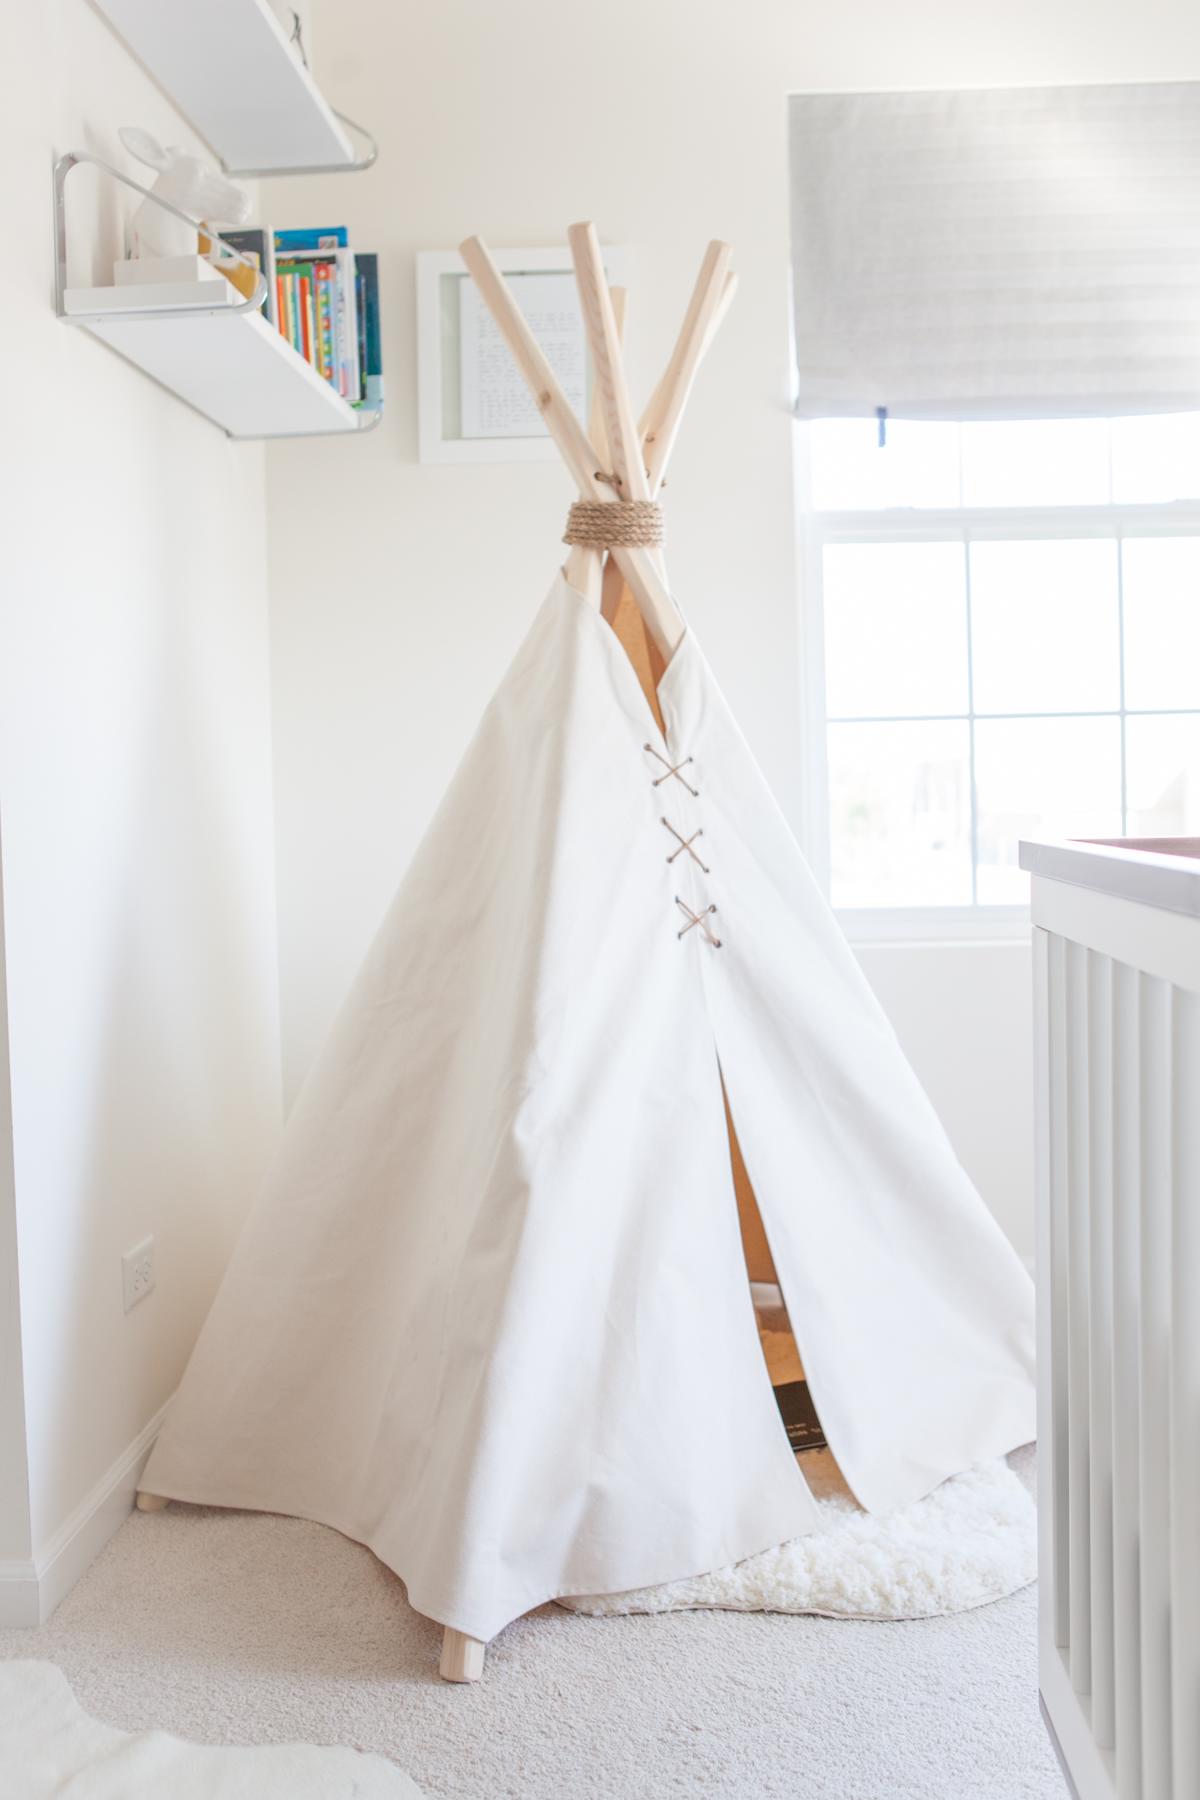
(974, 1539)
(50, 1748)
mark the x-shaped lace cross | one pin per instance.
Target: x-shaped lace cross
(697, 918)
(671, 770)
(685, 844)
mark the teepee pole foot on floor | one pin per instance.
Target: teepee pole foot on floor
(151, 1502)
(462, 1656)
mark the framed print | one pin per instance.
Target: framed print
(473, 403)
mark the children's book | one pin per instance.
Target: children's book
(307, 332)
(371, 336)
(321, 237)
(799, 1416)
(345, 370)
(323, 278)
(254, 243)
(324, 299)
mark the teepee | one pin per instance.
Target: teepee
(492, 1316)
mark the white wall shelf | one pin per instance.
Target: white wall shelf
(228, 363)
(227, 65)
(203, 341)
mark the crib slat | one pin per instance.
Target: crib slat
(1154, 1374)
(1127, 1674)
(1078, 1278)
(1059, 1559)
(1185, 1394)
(1100, 1349)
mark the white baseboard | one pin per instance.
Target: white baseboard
(18, 1595)
(30, 1591)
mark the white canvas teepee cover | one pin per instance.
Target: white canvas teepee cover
(492, 1318)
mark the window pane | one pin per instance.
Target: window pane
(1162, 776)
(900, 814)
(895, 629)
(1044, 626)
(1162, 621)
(1156, 459)
(917, 466)
(1041, 778)
(1039, 462)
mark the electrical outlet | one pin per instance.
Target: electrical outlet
(137, 1272)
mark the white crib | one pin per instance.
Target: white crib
(1117, 971)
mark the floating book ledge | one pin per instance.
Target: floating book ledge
(206, 343)
(229, 68)
(224, 360)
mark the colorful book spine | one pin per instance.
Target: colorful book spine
(324, 279)
(318, 358)
(372, 338)
(360, 330)
(293, 275)
(331, 292)
(342, 362)
(307, 331)
(350, 317)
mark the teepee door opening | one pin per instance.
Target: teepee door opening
(776, 1334)
(621, 612)
(776, 1329)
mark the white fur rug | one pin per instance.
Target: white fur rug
(972, 1540)
(51, 1748)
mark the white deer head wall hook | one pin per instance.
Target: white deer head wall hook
(184, 181)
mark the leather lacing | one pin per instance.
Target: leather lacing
(700, 919)
(673, 772)
(685, 844)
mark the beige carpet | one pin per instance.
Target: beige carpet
(237, 1628)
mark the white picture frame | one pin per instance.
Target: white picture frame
(440, 275)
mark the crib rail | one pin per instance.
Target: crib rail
(1118, 1134)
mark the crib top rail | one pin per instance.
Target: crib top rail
(1158, 872)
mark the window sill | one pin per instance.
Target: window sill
(893, 925)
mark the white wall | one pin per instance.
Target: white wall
(15, 1545)
(398, 591)
(964, 1013)
(135, 806)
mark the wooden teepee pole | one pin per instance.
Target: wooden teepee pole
(710, 301)
(637, 566)
(585, 567)
(657, 428)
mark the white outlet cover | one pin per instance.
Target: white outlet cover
(137, 1272)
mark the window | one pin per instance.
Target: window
(1004, 643)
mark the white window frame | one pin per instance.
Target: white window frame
(962, 525)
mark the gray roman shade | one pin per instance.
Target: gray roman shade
(1013, 253)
